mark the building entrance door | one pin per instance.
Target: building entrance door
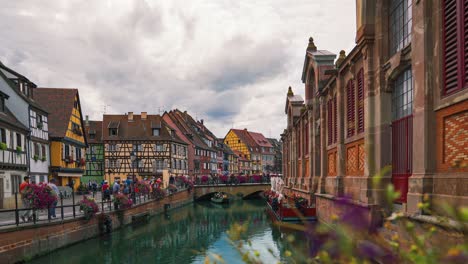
(402, 133)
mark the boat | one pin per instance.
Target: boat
(287, 209)
(220, 198)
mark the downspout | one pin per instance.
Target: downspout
(28, 139)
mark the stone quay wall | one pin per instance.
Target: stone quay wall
(25, 242)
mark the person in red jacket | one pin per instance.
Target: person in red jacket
(105, 191)
(27, 214)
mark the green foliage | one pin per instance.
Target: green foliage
(3, 146)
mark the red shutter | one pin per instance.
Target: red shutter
(465, 33)
(335, 119)
(452, 45)
(329, 121)
(360, 93)
(350, 108)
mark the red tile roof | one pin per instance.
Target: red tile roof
(59, 103)
(138, 129)
(260, 139)
(96, 128)
(245, 137)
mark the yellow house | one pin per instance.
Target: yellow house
(241, 141)
(66, 133)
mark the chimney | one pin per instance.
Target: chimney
(144, 115)
(130, 116)
(201, 121)
(245, 129)
(87, 120)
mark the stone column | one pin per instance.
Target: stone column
(316, 145)
(422, 43)
(340, 146)
(323, 141)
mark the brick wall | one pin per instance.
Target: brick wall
(19, 243)
(452, 138)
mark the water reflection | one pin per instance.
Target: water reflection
(187, 235)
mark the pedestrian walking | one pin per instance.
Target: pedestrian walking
(57, 192)
(27, 214)
(105, 191)
(116, 187)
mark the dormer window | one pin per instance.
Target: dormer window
(156, 132)
(2, 104)
(112, 131)
(173, 133)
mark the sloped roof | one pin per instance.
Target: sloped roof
(188, 125)
(59, 103)
(260, 139)
(4, 71)
(138, 128)
(10, 119)
(245, 137)
(96, 128)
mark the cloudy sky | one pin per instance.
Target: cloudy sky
(228, 62)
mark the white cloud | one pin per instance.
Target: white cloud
(228, 62)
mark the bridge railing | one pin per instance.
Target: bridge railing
(236, 180)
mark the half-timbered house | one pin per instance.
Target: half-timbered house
(94, 152)
(31, 114)
(66, 127)
(139, 146)
(13, 160)
(199, 152)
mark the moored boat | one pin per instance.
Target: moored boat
(287, 209)
(220, 198)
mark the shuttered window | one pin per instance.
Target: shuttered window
(360, 101)
(455, 46)
(335, 119)
(330, 121)
(350, 109)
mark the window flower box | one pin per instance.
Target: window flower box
(19, 150)
(3, 146)
(44, 158)
(40, 125)
(36, 157)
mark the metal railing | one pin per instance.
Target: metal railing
(218, 181)
(69, 208)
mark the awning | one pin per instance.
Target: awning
(63, 174)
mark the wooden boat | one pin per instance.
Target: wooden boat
(220, 198)
(291, 214)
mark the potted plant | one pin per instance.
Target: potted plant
(121, 201)
(3, 146)
(82, 162)
(89, 207)
(43, 158)
(40, 125)
(36, 157)
(18, 150)
(40, 196)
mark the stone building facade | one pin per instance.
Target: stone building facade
(398, 99)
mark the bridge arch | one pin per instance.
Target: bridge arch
(202, 192)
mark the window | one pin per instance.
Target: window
(67, 151)
(335, 121)
(360, 101)
(156, 132)
(350, 108)
(400, 24)
(3, 135)
(137, 147)
(43, 150)
(2, 104)
(402, 96)
(76, 104)
(455, 45)
(15, 183)
(36, 149)
(78, 153)
(39, 121)
(92, 136)
(19, 142)
(159, 147)
(330, 121)
(112, 147)
(112, 131)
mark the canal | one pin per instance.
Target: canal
(188, 235)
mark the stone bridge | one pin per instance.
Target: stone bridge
(244, 190)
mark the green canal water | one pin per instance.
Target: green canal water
(188, 235)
